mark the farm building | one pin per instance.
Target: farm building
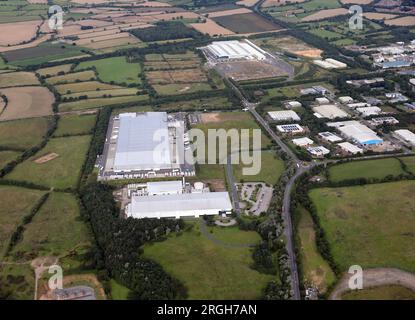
(303, 142)
(350, 148)
(229, 50)
(329, 111)
(357, 132)
(290, 128)
(406, 136)
(318, 151)
(369, 111)
(145, 145)
(284, 115)
(329, 137)
(179, 205)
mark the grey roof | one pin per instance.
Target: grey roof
(180, 204)
(137, 148)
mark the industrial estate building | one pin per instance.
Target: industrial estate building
(329, 111)
(329, 137)
(231, 50)
(145, 145)
(356, 131)
(405, 136)
(350, 148)
(284, 115)
(303, 142)
(175, 199)
(290, 128)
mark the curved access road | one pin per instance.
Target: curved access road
(375, 278)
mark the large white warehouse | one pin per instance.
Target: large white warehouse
(236, 50)
(357, 132)
(179, 205)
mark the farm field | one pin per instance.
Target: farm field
(410, 163)
(246, 23)
(72, 77)
(14, 79)
(15, 204)
(381, 293)
(61, 172)
(53, 71)
(368, 169)
(55, 230)
(271, 169)
(289, 44)
(114, 70)
(315, 269)
(179, 88)
(371, 225)
(84, 86)
(324, 14)
(27, 102)
(17, 281)
(74, 124)
(99, 102)
(210, 271)
(23, 134)
(7, 156)
(103, 93)
(197, 104)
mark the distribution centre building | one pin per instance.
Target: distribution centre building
(357, 132)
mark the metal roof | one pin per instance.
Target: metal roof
(137, 145)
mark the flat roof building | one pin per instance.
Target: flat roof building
(329, 137)
(357, 132)
(350, 148)
(322, 100)
(293, 104)
(234, 49)
(145, 145)
(346, 99)
(179, 205)
(384, 120)
(284, 115)
(319, 151)
(406, 136)
(369, 111)
(302, 142)
(330, 111)
(290, 128)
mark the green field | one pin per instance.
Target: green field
(209, 270)
(7, 156)
(271, 169)
(115, 70)
(84, 87)
(24, 133)
(381, 293)
(17, 281)
(369, 169)
(371, 225)
(15, 203)
(62, 172)
(118, 292)
(74, 124)
(56, 230)
(72, 77)
(100, 102)
(315, 269)
(103, 93)
(410, 163)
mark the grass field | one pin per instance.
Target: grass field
(7, 156)
(118, 292)
(74, 124)
(88, 75)
(315, 269)
(381, 293)
(372, 225)
(100, 102)
(103, 93)
(271, 169)
(208, 270)
(14, 79)
(53, 71)
(62, 172)
(15, 203)
(23, 133)
(368, 169)
(56, 230)
(18, 281)
(410, 163)
(115, 70)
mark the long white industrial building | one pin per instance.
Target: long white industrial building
(179, 205)
(236, 50)
(357, 132)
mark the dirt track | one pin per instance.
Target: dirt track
(376, 277)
